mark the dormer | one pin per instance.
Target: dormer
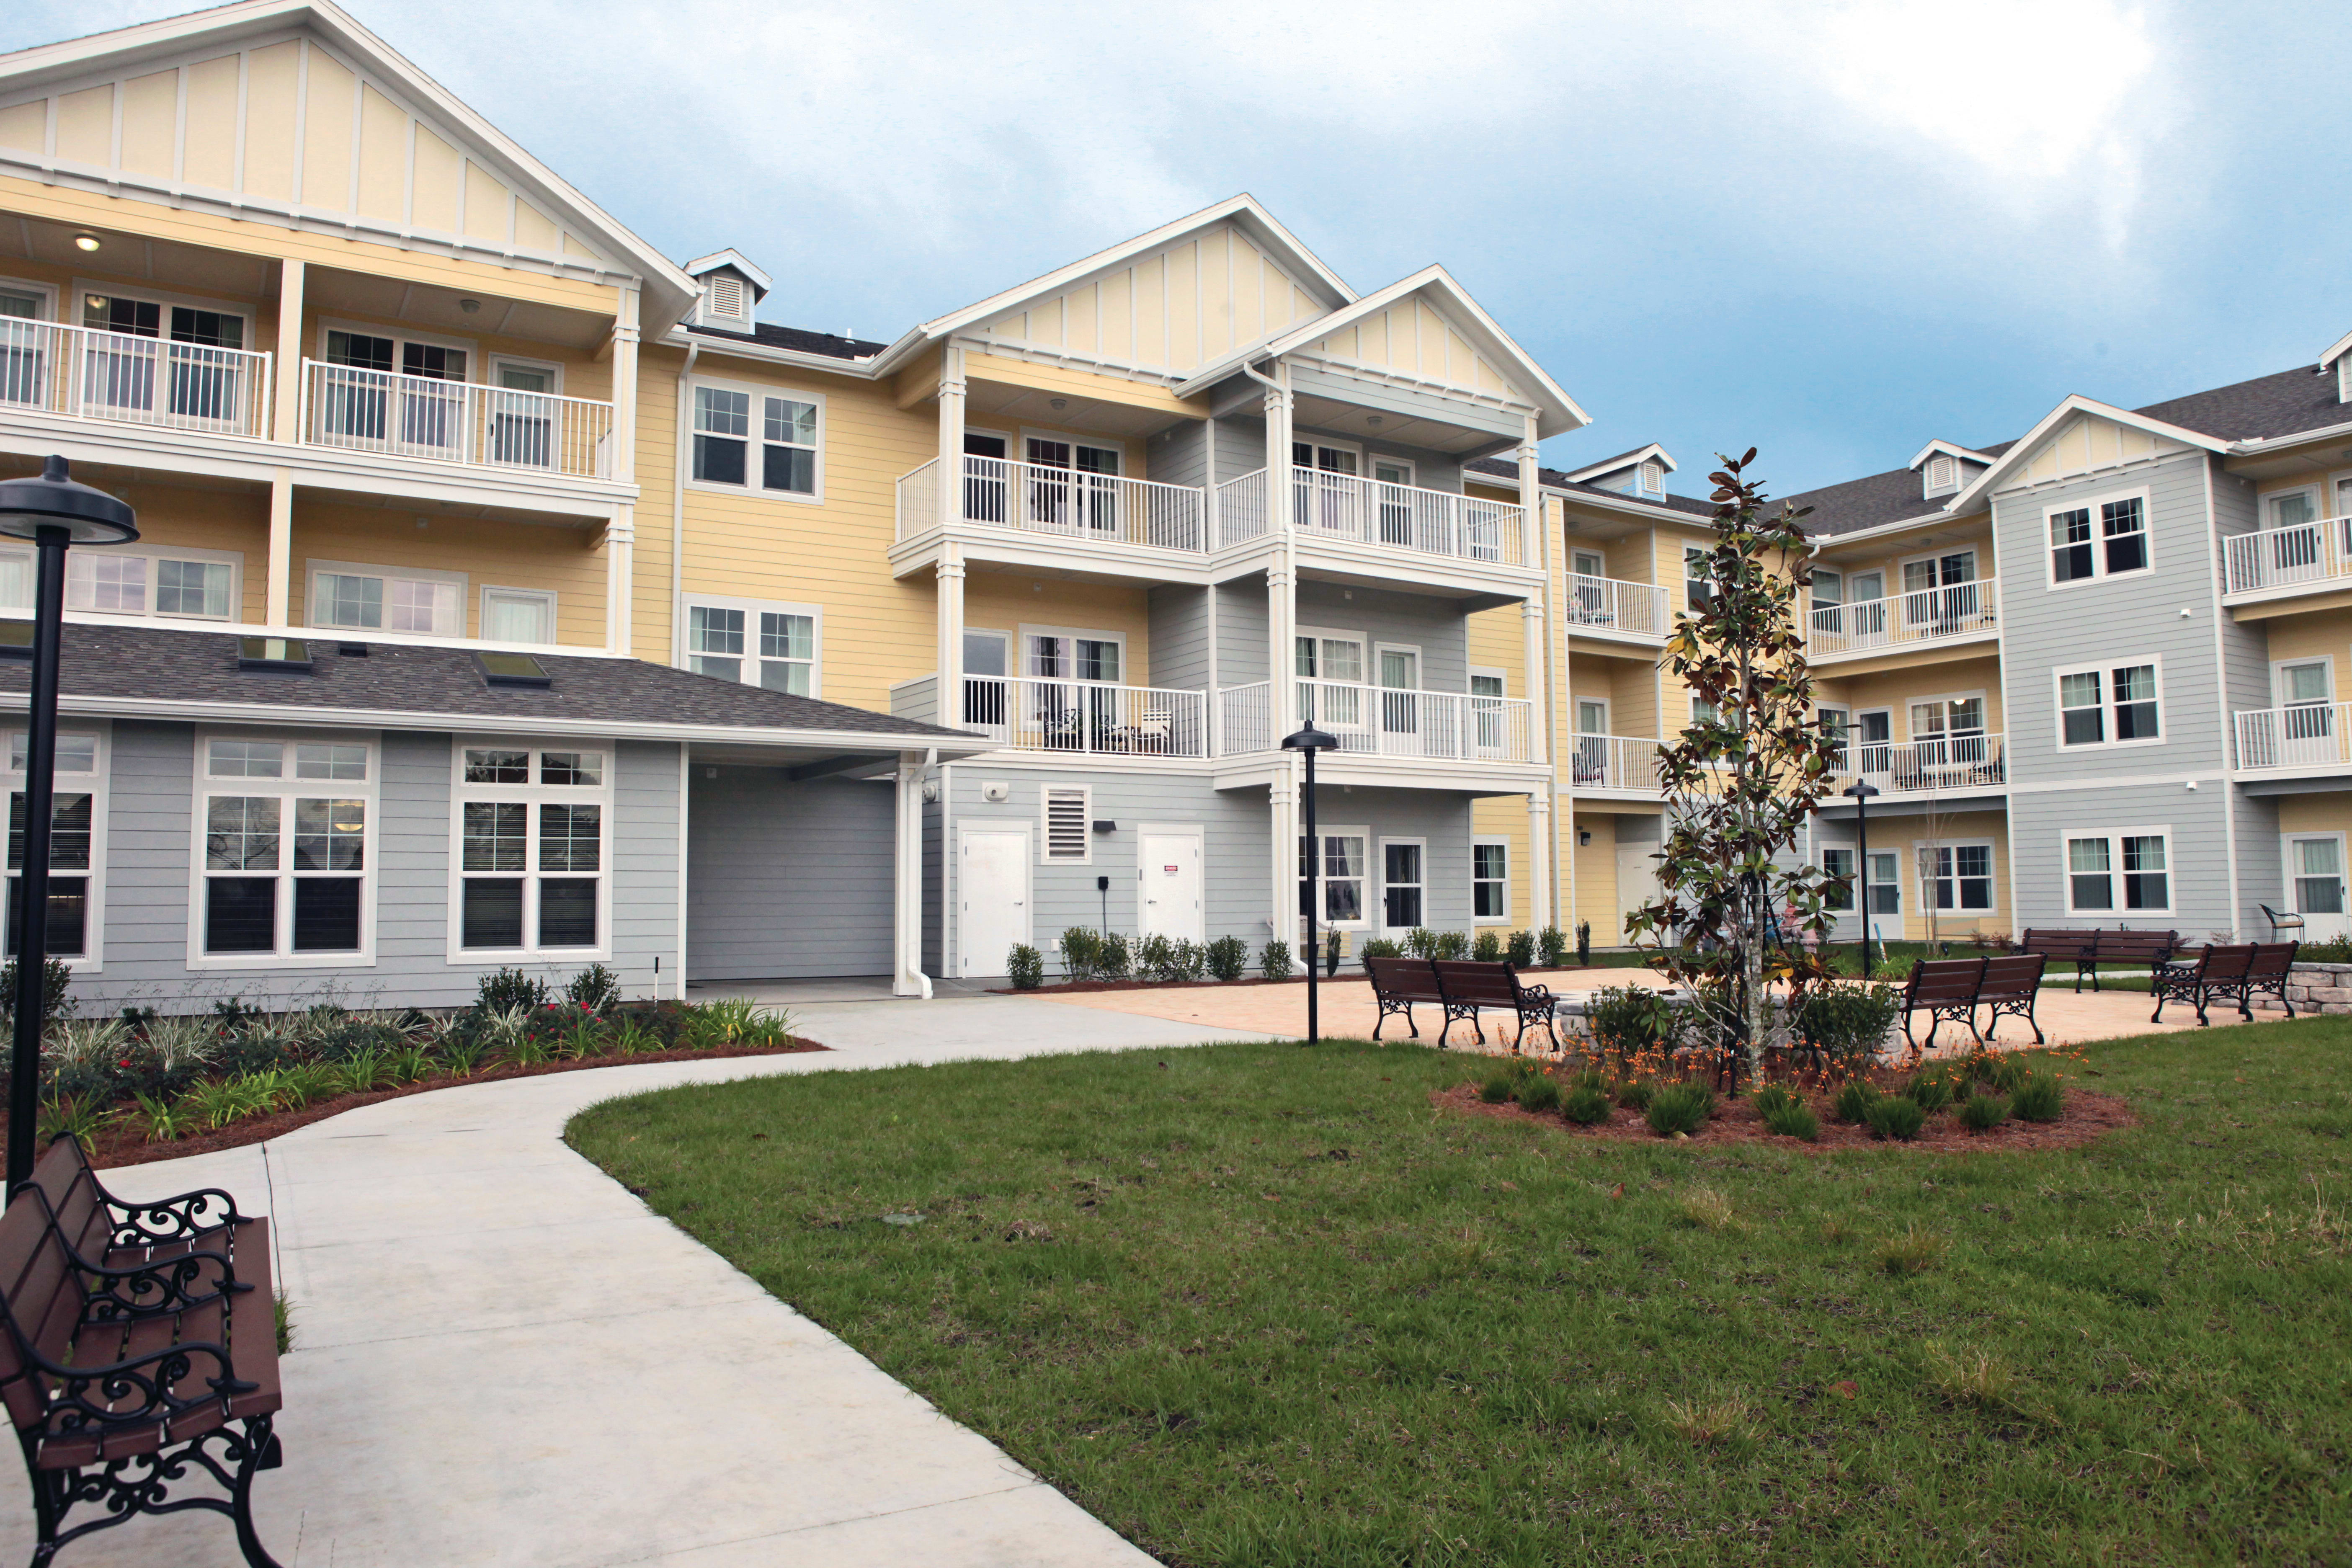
(732, 290)
(1640, 473)
(1945, 469)
(2337, 361)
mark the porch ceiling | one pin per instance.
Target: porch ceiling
(1332, 417)
(1012, 407)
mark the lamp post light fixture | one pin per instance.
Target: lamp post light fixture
(1860, 792)
(1309, 741)
(54, 512)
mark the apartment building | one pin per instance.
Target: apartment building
(510, 594)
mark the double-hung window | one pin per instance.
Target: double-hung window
(1698, 579)
(755, 642)
(1342, 871)
(353, 597)
(2109, 705)
(76, 833)
(532, 848)
(1838, 865)
(749, 438)
(1330, 670)
(285, 850)
(1402, 883)
(1885, 893)
(1490, 881)
(2098, 539)
(186, 585)
(2127, 872)
(1960, 876)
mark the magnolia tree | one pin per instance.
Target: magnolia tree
(1743, 779)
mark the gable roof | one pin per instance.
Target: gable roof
(730, 257)
(1949, 449)
(617, 253)
(1497, 471)
(1624, 460)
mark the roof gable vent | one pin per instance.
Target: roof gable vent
(726, 299)
(1943, 474)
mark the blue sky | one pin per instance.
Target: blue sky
(1831, 231)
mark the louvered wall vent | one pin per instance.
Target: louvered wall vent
(1065, 824)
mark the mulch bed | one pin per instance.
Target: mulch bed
(1064, 986)
(2089, 1115)
(122, 1145)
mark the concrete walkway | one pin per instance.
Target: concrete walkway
(503, 1357)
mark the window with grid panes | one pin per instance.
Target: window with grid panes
(72, 823)
(286, 853)
(532, 848)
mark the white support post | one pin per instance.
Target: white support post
(1540, 910)
(286, 424)
(907, 903)
(281, 597)
(620, 574)
(1283, 798)
(949, 573)
(952, 402)
(624, 449)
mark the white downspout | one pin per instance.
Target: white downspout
(678, 515)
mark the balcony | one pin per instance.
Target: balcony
(460, 422)
(2305, 737)
(1603, 606)
(1060, 504)
(1378, 720)
(2277, 563)
(84, 373)
(1086, 718)
(1958, 611)
(1615, 765)
(1328, 506)
(1966, 763)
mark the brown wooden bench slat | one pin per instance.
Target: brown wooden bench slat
(1470, 984)
(1397, 984)
(2228, 972)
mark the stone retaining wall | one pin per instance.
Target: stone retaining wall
(2326, 987)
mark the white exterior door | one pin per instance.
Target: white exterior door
(2315, 867)
(1168, 885)
(992, 897)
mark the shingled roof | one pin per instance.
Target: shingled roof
(1557, 479)
(800, 341)
(416, 686)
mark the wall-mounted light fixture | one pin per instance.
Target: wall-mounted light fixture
(469, 306)
(87, 242)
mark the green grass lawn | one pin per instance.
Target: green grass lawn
(1262, 1306)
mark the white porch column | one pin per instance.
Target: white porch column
(620, 573)
(1281, 578)
(949, 574)
(280, 599)
(286, 423)
(623, 449)
(1540, 912)
(907, 978)
(1283, 795)
(951, 400)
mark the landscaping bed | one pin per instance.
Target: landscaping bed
(1263, 1305)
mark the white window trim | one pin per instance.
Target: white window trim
(532, 795)
(553, 367)
(1928, 475)
(1822, 860)
(93, 961)
(1689, 551)
(751, 609)
(1336, 444)
(1412, 469)
(2114, 837)
(313, 567)
(2098, 539)
(1923, 848)
(1378, 872)
(755, 437)
(1370, 900)
(1608, 718)
(476, 366)
(1580, 553)
(482, 609)
(1046, 856)
(1475, 841)
(85, 286)
(1420, 666)
(1863, 884)
(151, 552)
(1073, 440)
(287, 788)
(1334, 634)
(2287, 870)
(1020, 651)
(1938, 557)
(2279, 667)
(47, 291)
(1641, 472)
(1496, 671)
(2106, 669)
(2316, 490)
(1947, 699)
(1004, 435)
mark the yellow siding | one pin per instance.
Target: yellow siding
(209, 157)
(440, 176)
(486, 205)
(1908, 835)
(1001, 601)
(328, 106)
(383, 158)
(496, 555)
(151, 110)
(1897, 689)
(2325, 635)
(231, 520)
(271, 78)
(1413, 335)
(24, 126)
(2329, 813)
(86, 126)
(2088, 443)
(1506, 816)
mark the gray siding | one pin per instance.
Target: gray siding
(788, 878)
(1242, 631)
(646, 869)
(1180, 455)
(1436, 626)
(1432, 470)
(1180, 636)
(1442, 821)
(148, 827)
(1241, 444)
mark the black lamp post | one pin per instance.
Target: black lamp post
(1310, 741)
(54, 512)
(1861, 790)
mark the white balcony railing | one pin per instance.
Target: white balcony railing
(1240, 510)
(1613, 763)
(1086, 717)
(1939, 764)
(1605, 604)
(1385, 722)
(92, 374)
(1436, 523)
(1064, 502)
(2301, 735)
(1929, 615)
(455, 421)
(2316, 552)
(1245, 720)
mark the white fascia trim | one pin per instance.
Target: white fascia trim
(283, 716)
(1950, 448)
(2263, 443)
(768, 354)
(1625, 460)
(50, 63)
(2073, 404)
(2335, 351)
(730, 257)
(1877, 530)
(1650, 510)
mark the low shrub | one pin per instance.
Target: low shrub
(1551, 945)
(1584, 945)
(1274, 959)
(1151, 955)
(1896, 1116)
(1679, 1107)
(1585, 1104)
(510, 988)
(1539, 1092)
(1227, 958)
(57, 987)
(1025, 966)
(1378, 947)
(1847, 1024)
(1450, 945)
(2038, 1097)
(1421, 943)
(1519, 951)
(1998, 1070)
(80, 1119)
(1081, 954)
(1498, 1088)
(1111, 957)
(1930, 1090)
(1793, 1119)
(1635, 1093)
(1488, 948)
(1983, 1112)
(1854, 1101)
(595, 989)
(1628, 1021)
(1772, 1097)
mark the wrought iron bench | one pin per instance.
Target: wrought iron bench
(2079, 948)
(1397, 984)
(1468, 985)
(1944, 988)
(2009, 985)
(140, 1353)
(2153, 948)
(2227, 973)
